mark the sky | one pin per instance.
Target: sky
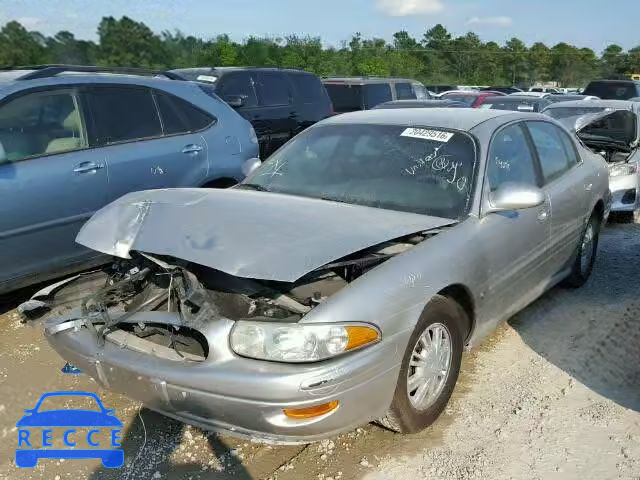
(585, 23)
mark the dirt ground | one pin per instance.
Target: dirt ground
(555, 393)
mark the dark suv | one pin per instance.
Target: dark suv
(613, 89)
(279, 103)
(349, 94)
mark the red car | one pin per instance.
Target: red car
(472, 99)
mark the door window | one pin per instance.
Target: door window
(123, 113)
(238, 84)
(179, 116)
(404, 91)
(510, 158)
(309, 87)
(40, 124)
(551, 151)
(274, 89)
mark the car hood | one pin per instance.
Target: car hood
(249, 234)
(615, 128)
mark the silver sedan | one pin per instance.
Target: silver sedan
(341, 281)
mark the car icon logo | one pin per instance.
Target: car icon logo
(32, 447)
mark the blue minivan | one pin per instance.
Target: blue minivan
(73, 139)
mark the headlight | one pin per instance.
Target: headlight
(622, 169)
(296, 342)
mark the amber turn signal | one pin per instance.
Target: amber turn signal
(360, 336)
(311, 412)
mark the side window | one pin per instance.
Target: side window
(123, 113)
(510, 158)
(179, 116)
(376, 93)
(569, 148)
(404, 91)
(238, 83)
(309, 87)
(551, 151)
(274, 89)
(40, 124)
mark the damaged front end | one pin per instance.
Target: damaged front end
(160, 330)
(169, 303)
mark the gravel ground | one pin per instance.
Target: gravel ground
(555, 393)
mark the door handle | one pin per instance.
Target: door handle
(588, 186)
(86, 167)
(543, 215)
(192, 149)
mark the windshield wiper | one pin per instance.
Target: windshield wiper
(253, 186)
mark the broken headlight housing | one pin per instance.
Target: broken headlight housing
(622, 169)
(299, 343)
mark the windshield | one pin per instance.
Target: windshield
(421, 170)
(612, 90)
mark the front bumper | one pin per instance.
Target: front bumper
(625, 190)
(242, 396)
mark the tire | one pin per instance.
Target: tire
(583, 264)
(404, 416)
(626, 217)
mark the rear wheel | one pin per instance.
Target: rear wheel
(586, 255)
(430, 368)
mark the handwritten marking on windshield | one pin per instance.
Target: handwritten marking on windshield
(444, 166)
(275, 168)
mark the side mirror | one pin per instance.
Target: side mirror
(515, 196)
(234, 101)
(250, 165)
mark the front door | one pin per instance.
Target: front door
(50, 183)
(513, 244)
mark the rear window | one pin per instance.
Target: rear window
(521, 106)
(376, 93)
(466, 99)
(345, 98)
(309, 87)
(612, 90)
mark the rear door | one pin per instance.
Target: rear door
(566, 183)
(244, 85)
(275, 94)
(139, 156)
(50, 182)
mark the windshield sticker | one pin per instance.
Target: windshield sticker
(437, 135)
(207, 78)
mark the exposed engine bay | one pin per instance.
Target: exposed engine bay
(201, 294)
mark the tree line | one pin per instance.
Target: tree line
(437, 57)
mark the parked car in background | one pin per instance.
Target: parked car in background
(420, 104)
(505, 90)
(613, 89)
(552, 90)
(73, 139)
(611, 128)
(349, 94)
(532, 94)
(570, 97)
(438, 89)
(520, 103)
(470, 98)
(279, 103)
(359, 304)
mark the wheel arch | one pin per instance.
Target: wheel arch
(460, 294)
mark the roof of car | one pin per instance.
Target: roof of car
(454, 118)
(232, 69)
(362, 80)
(621, 80)
(514, 99)
(617, 104)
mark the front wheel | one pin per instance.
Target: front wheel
(429, 368)
(586, 255)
